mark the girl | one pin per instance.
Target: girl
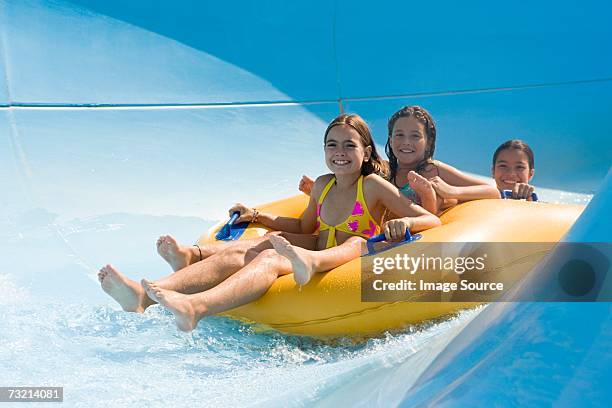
(410, 148)
(344, 207)
(433, 184)
(513, 168)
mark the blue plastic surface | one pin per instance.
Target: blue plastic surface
(441, 47)
(531, 353)
(566, 126)
(72, 155)
(190, 90)
(181, 52)
(4, 92)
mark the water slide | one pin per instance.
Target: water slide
(121, 121)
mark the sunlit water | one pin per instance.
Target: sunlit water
(57, 328)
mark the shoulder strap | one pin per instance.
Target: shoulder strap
(326, 189)
(360, 196)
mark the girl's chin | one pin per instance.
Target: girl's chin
(505, 186)
(344, 171)
(408, 161)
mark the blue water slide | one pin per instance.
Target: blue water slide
(530, 353)
(119, 119)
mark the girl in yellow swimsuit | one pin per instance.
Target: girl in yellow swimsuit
(410, 147)
(345, 207)
(430, 183)
(359, 222)
(433, 184)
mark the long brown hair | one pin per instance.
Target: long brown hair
(375, 165)
(423, 117)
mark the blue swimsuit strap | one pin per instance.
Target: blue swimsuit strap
(409, 193)
(406, 189)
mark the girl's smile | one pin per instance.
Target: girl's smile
(511, 167)
(344, 153)
(408, 141)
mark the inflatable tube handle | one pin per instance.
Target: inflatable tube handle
(508, 194)
(381, 237)
(224, 232)
(233, 219)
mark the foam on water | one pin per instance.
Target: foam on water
(103, 356)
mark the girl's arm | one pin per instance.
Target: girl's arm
(306, 224)
(453, 183)
(413, 217)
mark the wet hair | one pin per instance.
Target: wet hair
(517, 145)
(423, 117)
(375, 165)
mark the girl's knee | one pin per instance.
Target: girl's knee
(276, 264)
(234, 250)
(268, 254)
(356, 242)
(355, 239)
(259, 254)
(251, 254)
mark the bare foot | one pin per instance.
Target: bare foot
(176, 255)
(424, 190)
(177, 303)
(301, 259)
(128, 293)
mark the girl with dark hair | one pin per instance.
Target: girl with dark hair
(345, 207)
(411, 144)
(410, 147)
(513, 168)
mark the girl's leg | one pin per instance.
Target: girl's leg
(123, 289)
(203, 275)
(244, 286)
(180, 256)
(191, 279)
(306, 241)
(306, 263)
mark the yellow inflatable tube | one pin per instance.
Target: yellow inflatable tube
(330, 305)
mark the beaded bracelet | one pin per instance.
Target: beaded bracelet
(255, 215)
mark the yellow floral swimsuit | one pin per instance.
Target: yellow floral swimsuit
(359, 223)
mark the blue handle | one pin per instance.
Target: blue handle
(381, 237)
(224, 232)
(233, 218)
(508, 194)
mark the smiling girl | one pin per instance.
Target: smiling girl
(513, 168)
(345, 207)
(410, 147)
